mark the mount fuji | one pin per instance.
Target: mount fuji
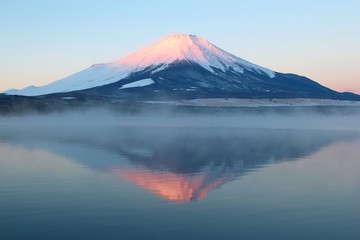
(183, 66)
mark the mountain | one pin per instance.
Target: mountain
(183, 66)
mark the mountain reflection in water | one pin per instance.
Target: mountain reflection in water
(178, 164)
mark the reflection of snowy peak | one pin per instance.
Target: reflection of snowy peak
(178, 187)
(183, 66)
(183, 164)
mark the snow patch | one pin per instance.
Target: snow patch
(140, 83)
(68, 98)
(160, 68)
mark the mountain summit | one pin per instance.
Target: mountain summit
(189, 48)
(183, 66)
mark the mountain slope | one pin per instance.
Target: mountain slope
(184, 66)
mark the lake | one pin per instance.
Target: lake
(83, 180)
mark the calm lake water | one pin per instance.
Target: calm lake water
(178, 182)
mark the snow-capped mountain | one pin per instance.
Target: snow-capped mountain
(182, 66)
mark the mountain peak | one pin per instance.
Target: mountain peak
(180, 35)
(175, 47)
(189, 48)
(182, 38)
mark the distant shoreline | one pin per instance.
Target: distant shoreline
(238, 102)
(10, 105)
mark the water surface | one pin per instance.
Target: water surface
(180, 182)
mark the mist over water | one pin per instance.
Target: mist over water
(250, 174)
(332, 118)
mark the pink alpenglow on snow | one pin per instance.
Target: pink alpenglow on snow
(185, 47)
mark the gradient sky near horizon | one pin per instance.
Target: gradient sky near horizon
(42, 41)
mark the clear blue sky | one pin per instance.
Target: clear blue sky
(42, 41)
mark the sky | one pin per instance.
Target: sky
(43, 41)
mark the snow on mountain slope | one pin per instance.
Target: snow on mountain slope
(97, 75)
(158, 56)
(140, 83)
